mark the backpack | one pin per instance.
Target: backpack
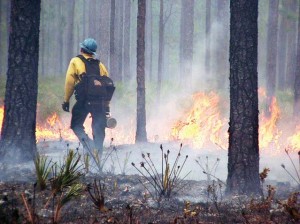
(89, 88)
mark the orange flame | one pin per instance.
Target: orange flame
(202, 124)
(1, 117)
(294, 140)
(268, 131)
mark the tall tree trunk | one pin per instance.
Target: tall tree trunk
(291, 43)
(70, 30)
(85, 21)
(297, 74)
(141, 134)
(112, 59)
(271, 52)
(149, 47)
(60, 37)
(119, 39)
(186, 41)
(18, 139)
(127, 25)
(104, 31)
(243, 154)
(160, 50)
(282, 45)
(207, 37)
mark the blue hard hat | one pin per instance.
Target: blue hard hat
(89, 45)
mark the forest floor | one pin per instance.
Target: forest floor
(129, 198)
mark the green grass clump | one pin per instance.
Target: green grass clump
(43, 168)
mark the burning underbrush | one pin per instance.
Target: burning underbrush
(201, 123)
(189, 188)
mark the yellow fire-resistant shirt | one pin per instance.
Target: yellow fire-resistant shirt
(76, 68)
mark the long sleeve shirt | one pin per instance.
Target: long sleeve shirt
(75, 69)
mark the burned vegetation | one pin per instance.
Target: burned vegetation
(74, 190)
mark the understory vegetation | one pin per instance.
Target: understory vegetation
(74, 190)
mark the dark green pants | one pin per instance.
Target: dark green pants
(79, 113)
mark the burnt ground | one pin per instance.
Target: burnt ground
(127, 199)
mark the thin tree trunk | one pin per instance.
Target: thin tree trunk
(104, 31)
(141, 134)
(243, 153)
(60, 38)
(127, 25)
(70, 30)
(84, 17)
(271, 53)
(207, 37)
(112, 59)
(18, 139)
(291, 43)
(186, 41)
(281, 56)
(119, 39)
(297, 74)
(160, 50)
(149, 46)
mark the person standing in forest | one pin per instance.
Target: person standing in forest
(83, 75)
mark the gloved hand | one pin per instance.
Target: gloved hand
(66, 106)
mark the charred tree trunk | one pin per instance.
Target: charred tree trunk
(207, 37)
(297, 74)
(18, 139)
(160, 50)
(243, 154)
(141, 134)
(186, 41)
(271, 52)
(127, 22)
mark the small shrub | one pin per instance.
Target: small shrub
(43, 169)
(168, 181)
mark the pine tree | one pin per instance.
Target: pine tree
(243, 154)
(18, 139)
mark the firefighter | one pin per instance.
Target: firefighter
(99, 110)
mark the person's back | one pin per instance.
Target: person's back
(79, 68)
